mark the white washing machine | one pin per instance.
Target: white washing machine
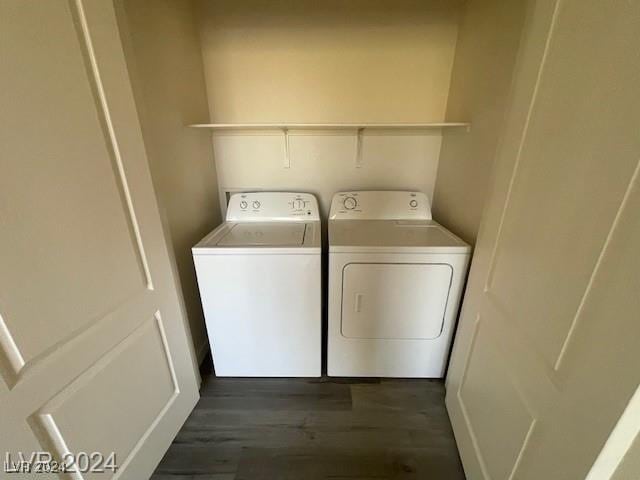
(259, 276)
(395, 281)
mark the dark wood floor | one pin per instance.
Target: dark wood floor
(312, 429)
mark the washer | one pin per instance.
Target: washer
(395, 281)
(259, 276)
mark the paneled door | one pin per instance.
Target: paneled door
(94, 350)
(546, 357)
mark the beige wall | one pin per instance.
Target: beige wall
(329, 61)
(485, 57)
(165, 64)
(323, 163)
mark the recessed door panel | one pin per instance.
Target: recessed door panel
(107, 411)
(388, 300)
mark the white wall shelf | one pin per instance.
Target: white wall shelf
(329, 126)
(356, 128)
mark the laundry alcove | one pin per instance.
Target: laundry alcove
(318, 97)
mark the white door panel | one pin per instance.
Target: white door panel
(544, 360)
(394, 300)
(94, 352)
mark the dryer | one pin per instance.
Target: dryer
(395, 282)
(259, 275)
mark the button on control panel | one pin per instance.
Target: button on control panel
(256, 204)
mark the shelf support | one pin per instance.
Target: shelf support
(358, 158)
(287, 154)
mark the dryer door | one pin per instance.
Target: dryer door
(394, 301)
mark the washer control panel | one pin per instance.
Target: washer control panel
(272, 206)
(380, 205)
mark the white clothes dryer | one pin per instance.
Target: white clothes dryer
(395, 282)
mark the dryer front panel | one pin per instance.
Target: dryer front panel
(394, 300)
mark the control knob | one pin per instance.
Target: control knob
(256, 204)
(243, 204)
(413, 203)
(350, 203)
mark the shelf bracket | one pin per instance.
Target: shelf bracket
(287, 152)
(358, 157)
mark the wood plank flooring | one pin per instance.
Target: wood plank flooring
(315, 429)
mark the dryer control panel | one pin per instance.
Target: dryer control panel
(272, 206)
(380, 205)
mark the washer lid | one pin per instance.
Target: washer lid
(277, 234)
(393, 235)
